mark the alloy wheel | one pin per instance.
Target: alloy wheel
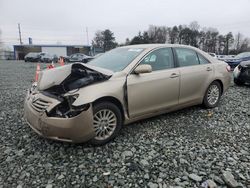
(105, 122)
(213, 94)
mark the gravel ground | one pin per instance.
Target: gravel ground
(193, 147)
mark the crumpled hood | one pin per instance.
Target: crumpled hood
(56, 76)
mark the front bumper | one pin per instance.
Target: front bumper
(76, 129)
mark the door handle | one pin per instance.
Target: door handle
(174, 75)
(209, 69)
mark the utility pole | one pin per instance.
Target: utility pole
(20, 35)
(87, 33)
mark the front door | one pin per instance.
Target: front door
(152, 92)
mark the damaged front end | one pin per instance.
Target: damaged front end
(66, 110)
(62, 84)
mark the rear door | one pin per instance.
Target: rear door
(196, 73)
(151, 92)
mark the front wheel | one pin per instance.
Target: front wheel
(107, 122)
(212, 95)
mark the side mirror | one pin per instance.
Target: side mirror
(143, 69)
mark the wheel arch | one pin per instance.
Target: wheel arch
(221, 85)
(112, 100)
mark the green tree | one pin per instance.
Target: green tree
(186, 36)
(141, 39)
(180, 28)
(229, 39)
(146, 38)
(105, 40)
(127, 42)
(173, 35)
(138, 39)
(108, 40)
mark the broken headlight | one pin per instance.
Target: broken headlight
(71, 98)
(66, 110)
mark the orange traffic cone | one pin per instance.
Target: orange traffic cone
(51, 66)
(37, 72)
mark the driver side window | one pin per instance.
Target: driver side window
(160, 59)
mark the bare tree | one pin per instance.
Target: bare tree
(98, 40)
(221, 44)
(238, 41)
(157, 34)
(208, 39)
(1, 42)
(194, 26)
(244, 45)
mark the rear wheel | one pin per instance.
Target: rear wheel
(238, 82)
(107, 122)
(212, 95)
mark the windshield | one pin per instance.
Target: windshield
(242, 55)
(117, 59)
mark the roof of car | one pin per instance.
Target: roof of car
(157, 45)
(150, 47)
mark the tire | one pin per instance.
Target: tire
(112, 111)
(238, 82)
(214, 89)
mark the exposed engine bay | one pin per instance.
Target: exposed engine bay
(79, 76)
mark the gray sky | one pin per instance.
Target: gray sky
(52, 21)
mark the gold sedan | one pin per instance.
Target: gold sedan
(90, 102)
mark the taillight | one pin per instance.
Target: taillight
(228, 68)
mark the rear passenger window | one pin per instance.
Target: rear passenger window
(186, 57)
(202, 59)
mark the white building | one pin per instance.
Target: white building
(60, 50)
(6, 55)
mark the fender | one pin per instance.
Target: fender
(110, 88)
